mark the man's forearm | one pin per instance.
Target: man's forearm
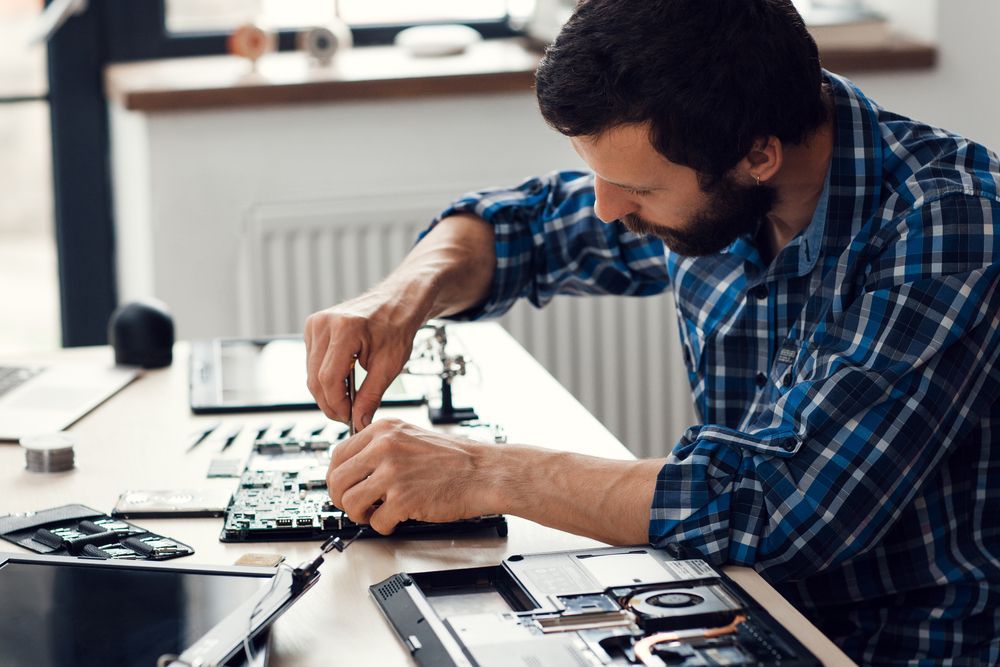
(605, 499)
(450, 270)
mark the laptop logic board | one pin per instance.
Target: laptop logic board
(282, 494)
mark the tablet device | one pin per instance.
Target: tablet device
(74, 611)
(256, 374)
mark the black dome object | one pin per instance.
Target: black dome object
(142, 333)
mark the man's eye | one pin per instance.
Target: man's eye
(638, 193)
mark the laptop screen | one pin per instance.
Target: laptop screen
(268, 372)
(239, 374)
(92, 615)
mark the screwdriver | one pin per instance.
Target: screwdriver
(350, 395)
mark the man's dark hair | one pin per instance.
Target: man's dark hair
(709, 76)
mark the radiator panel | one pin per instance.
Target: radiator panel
(620, 357)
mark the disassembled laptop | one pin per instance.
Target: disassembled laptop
(283, 494)
(611, 606)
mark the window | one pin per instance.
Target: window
(29, 297)
(128, 30)
(222, 15)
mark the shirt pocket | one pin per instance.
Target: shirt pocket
(785, 369)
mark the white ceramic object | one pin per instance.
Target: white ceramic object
(429, 41)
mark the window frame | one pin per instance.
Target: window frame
(143, 34)
(114, 31)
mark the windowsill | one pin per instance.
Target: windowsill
(492, 66)
(897, 54)
(288, 78)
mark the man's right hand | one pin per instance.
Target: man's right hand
(379, 328)
(449, 271)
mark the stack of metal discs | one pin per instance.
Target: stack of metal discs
(49, 452)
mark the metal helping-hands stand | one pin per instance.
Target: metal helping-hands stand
(452, 366)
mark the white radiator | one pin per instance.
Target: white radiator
(620, 357)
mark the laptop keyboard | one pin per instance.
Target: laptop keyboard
(12, 377)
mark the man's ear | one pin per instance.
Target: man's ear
(764, 159)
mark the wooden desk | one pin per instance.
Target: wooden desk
(137, 440)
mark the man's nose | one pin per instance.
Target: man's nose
(611, 203)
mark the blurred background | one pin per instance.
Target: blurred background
(29, 292)
(137, 160)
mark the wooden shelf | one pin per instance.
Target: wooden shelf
(491, 66)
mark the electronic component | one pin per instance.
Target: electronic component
(704, 606)
(283, 496)
(680, 646)
(224, 467)
(260, 560)
(171, 503)
(612, 606)
(97, 612)
(77, 530)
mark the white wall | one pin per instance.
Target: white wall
(962, 94)
(186, 184)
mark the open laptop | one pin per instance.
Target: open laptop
(46, 398)
(257, 374)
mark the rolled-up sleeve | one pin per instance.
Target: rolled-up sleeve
(548, 241)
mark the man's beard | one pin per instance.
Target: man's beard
(732, 211)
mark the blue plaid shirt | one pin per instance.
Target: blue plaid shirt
(848, 390)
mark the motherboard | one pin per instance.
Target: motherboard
(282, 494)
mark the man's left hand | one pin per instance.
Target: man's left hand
(413, 473)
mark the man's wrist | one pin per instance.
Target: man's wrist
(415, 291)
(578, 493)
(497, 477)
(453, 266)
(512, 475)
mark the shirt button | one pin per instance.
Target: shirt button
(787, 380)
(760, 379)
(759, 292)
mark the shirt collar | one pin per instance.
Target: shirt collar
(811, 238)
(851, 192)
(798, 257)
(855, 179)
